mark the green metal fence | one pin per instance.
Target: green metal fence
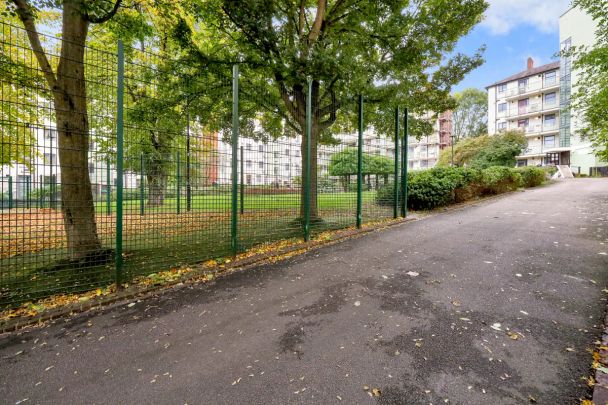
(181, 165)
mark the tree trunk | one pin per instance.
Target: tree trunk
(314, 212)
(157, 183)
(70, 104)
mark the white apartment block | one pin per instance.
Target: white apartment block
(536, 101)
(44, 169)
(576, 28)
(529, 101)
(279, 162)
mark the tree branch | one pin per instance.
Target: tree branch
(104, 18)
(315, 30)
(26, 15)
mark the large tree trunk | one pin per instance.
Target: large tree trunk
(73, 140)
(157, 183)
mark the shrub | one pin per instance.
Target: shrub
(431, 188)
(499, 179)
(531, 176)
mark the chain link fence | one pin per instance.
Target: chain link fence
(167, 164)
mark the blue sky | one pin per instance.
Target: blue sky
(512, 31)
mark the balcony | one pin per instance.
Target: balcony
(531, 89)
(533, 109)
(537, 129)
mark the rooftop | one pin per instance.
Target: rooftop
(528, 72)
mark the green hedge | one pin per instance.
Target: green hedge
(531, 176)
(442, 186)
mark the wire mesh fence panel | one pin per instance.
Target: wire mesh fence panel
(271, 161)
(378, 163)
(52, 238)
(139, 160)
(177, 160)
(337, 166)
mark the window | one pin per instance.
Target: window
(501, 126)
(549, 141)
(287, 166)
(258, 178)
(550, 99)
(287, 151)
(248, 163)
(248, 146)
(276, 154)
(91, 167)
(550, 120)
(424, 163)
(50, 158)
(502, 107)
(410, 150)
(522, 163)
(276, 170)
(523, 123)
(522, 83)
(50, 133)
(297, 153)
(410, 164)
(261, 148)
(260, 164)
(550, 78)
(502, 88)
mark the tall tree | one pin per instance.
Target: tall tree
(66, 82)
(590, 97)
(485, 151)
(391, 51)
(470, 117)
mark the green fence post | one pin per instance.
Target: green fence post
(307, 160)
(188, 180)
(242, 181)
(10, 192)
(179, 188)
(396, 181)
(28, 191)
(360, 164)
(108, 188)
(235, 150)
(141, 185)
(119, 163)
(404, 165)
(40, 188)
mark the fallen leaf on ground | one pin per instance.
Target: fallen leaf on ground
(496, 326)
(412, 274)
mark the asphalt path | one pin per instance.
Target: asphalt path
(494, 303)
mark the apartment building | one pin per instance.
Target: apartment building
(529, 101)
(576, 29)
(537, 101)
(423, 153)
(278, 163)
(44, 171)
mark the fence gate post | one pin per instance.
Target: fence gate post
(307, 160)
(396, 181)
(242, 181)
(360, 164)
(108, 188)
(235, 146)
(404, 165)
(10, 192)
(188, 180)
(119, 162)
(141, 185)
(179, 185)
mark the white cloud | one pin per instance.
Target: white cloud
(504, 15)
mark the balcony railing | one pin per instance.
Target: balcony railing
(537, 128)
(531, 87)
(532, 108)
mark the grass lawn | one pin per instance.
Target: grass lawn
(221, 202)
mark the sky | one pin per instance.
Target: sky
(512, 31)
